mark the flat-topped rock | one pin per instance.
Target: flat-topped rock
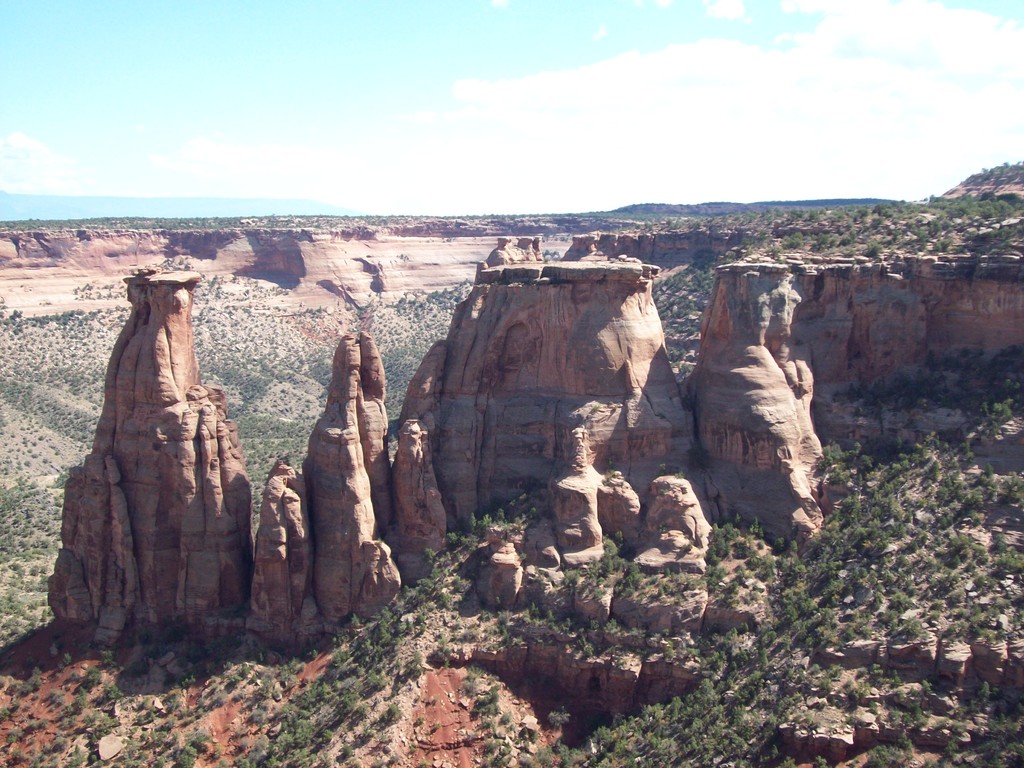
(568, 272)
(160, 277)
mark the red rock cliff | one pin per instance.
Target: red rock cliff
(552, 376)
(781, 341)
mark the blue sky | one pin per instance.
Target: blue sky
(511, 106)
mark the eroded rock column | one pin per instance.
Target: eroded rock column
(347, 479)
(156, 523)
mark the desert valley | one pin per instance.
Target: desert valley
(667, 485)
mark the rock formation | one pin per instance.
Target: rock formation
(282, 606)
(676, 533)
(419, 511)
(347, 479)
(664, 249)
(752, 392)
(501, 575)
(524, 250)
(156, 521)
(782, 343)
(537, 351)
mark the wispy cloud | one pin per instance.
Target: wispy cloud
(28, 166)
(874, 96)
(732, 10)
(601, 33)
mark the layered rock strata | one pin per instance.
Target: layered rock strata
(348, 476)
(156, 521)
(541, 360)
(783, 343)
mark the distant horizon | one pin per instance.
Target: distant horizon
(64, 207)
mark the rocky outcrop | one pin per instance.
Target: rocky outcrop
(665, 249)
(676, 534)
(156, 521)
(524, 250)
(534, 353)
(419, 513)
(283, 608)
(574, 504)
(501, 574)
(615, 683)
(783, 343)
(752, 391)
(347, 475)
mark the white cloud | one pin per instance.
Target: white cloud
(601, 34)
(27, 166)
(732, 10)
(883, 97)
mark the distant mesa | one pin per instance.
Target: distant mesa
(724, 209)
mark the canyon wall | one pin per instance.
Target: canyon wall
(317, 267)
(782, 343)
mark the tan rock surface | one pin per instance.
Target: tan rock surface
(353, 571)
(525, 249)
(156, 522)
(536, 351)
(752, 391)
(574, 504)
(420, 523)
(282, 585)
(42, 270)
(501, 576)
(676, 533)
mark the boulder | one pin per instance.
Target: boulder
(501, 577)
(525, 249)
(676, 534)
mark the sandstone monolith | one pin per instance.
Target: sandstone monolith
(282, 607)
(156, 522)
(347, 474)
